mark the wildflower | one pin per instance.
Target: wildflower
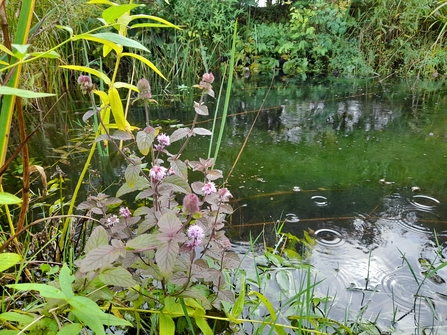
(209, 188)
(85, 83)
(196, 235)
(191, 203)
(224, 194)
(144, 89)
(125, 212)
(208, 77)
(112, 221)
(164, 139)
(157, 172)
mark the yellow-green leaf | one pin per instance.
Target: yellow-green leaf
(86, 69)
(167, 325)
(145, 61)
(104, 2)
(117, 109)
(125, 85)
(9, 199)
(98, 39)
(8, 259)
(155, 18)
(6, 90)
(6, 50)
(112, 13)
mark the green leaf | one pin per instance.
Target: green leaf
(104, 2)
(67, 28)
(9, 332)
(70, 329)
(51, 54)
(86, 69)
(145, 61)
(120, 40)
(204, 326)
(125, 85)
(105, 42)
(84, 304)
(44, 290)
(144, 141)
(167, 325)
(6, 50)
(8, 259)
(114, 12)
(178, 183)
(279, 330)
(90, 320)
(131, 174)
(65, 281)
(117, 276)
(5, 90)
(97, 238)
(239, 304)
(17, 317)
(142, 241)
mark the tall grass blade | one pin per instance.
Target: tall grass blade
(228, 93)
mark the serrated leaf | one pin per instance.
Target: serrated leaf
(65, 281)
(121, 135)
(144, 141)
(117, 276)
(200, 109)
(16, 317)
(147, 224)
(86, 69)
(143, 210)
(178, 134)
(70, 329)
(8, 259)
(143, 241)
(114, 12)
(97, 238)
(231, 260)
(105, 254)
(202, 131)
(166, 256)
(169, 223)
(179, 167)
(131, 174)
(178, 183)
(44, 290)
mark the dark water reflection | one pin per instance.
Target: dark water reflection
(359, 163)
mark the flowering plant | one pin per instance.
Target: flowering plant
(173, 245)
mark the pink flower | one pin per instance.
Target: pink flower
(144, 89)
(208, 77)
(209, 188)
(191, 203)
(85, 83)
(112, 221)
(157, 172)
(196, 235)
(224, 194)
(195, 232)
(163, 139)
(125, 212)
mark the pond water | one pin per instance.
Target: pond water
(359, 164)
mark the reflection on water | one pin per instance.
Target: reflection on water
(362, 167)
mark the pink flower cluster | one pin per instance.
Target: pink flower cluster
(195, 234)
(163, 141)
(157, 172)
(209, 188)
(125, 212)
(112, 221)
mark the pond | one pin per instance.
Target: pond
(358, 164)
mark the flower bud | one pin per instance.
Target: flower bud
(191, 203)
(144, 89)
(208, 77)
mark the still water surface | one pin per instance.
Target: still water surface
(359, 164)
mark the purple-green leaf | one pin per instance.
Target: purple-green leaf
(202, 131)
(105, 254)
(169, 223)
(166, 255)
(178, 184)
(200, 109)
(117, 276)
(97, 238)
(178, 134)
(143, 241)
(131, 174)
(144, 141)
